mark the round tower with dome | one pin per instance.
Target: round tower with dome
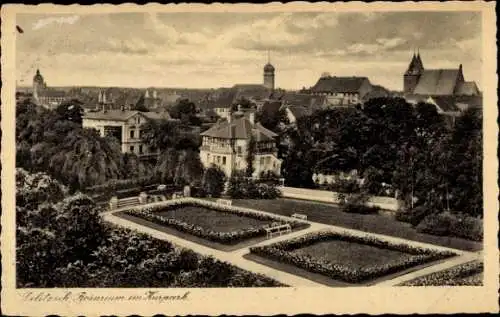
(39, 84)
(269, 74)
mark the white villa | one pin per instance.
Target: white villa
(226, 145)
(125, 125)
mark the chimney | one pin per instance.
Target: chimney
(239, 107)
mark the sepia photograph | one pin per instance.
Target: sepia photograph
(272, 150)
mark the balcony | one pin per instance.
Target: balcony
(216, 149)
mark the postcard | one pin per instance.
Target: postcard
(326, 158)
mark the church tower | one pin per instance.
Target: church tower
(413, 73)
(269, 74)
(38, 84)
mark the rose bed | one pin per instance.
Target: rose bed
(214, 222)
(347, 257)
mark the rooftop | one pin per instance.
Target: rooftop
(240, 128)
(335, 84)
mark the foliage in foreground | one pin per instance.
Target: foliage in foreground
(230, 237)
(66, 244)
(281, 252)
(468, 274)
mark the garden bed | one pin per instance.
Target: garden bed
(228, 225)
(468, 274)
(348, 258)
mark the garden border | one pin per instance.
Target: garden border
(228, 238)
(280, 252)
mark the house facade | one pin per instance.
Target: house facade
(342, 91)
(125, 126)
(226, 146)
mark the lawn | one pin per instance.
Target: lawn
(210, 219)
(354, 255)
(344, 257)
(331, 214)
(221, 227)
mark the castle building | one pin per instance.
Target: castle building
(44, 96)
(269, 75)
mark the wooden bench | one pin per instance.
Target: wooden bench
(226, 202)
(277, 230)
(300, 216)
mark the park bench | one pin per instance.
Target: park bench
(299, 216)
(226, 202)
(277, 229)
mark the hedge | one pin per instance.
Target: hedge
(467, 274)
(232, 237)
(448, 224)
(281, 252)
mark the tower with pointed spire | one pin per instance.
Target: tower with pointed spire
(413, 73)
(269, 73)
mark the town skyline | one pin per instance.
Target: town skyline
(211, 50)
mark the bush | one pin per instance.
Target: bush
(344, 186)
(122, 184)
(413, 216)
(357, 203)
(448, 224)
(213, 181)
(243, 187)
(281, 252)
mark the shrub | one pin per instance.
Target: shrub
(357, 203)
(243, 187)
(467, 274)
(448, 224)
(281, 252)
(344, 186)
(413, 216)
(213, 181)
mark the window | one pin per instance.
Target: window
(218, 159)
(239, 149)
(208, 157)
(261, 161)
(140, 149)
(223, 160)
(132, 134)
(268, 160)
(132, 149)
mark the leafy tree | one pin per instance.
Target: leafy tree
(250, 156)
(70, 110)
(213, 181)
(186, 111)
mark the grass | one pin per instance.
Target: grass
(331, 214)
(189, 237)
(210, 219)
(355, 255)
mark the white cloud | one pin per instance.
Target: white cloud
(54, 20)
(391, 42)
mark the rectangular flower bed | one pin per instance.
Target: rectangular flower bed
(346, 257)
(467, 274)
(211, 221)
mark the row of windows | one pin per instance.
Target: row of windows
(132, 133)
(132, 149)
(218, 159)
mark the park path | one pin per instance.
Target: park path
(236, 257)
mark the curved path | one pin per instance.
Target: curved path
(236, 257)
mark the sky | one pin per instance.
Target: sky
(211, 50)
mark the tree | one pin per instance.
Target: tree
(161, 134)
(250, 156)
(71, 110)
(213, 181)
(185, 110)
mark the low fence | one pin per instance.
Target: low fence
(386, 203)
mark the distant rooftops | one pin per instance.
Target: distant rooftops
(124, 115)
(334, 84)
